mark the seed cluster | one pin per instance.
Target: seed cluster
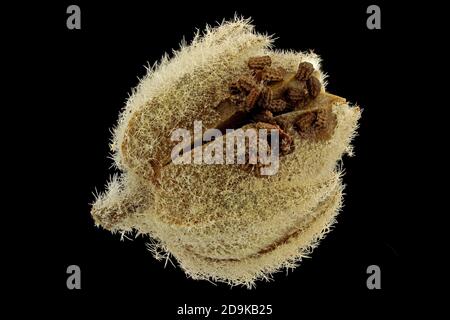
(267, 92)
(269, 89)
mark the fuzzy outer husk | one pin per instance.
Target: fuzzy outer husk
(217, 220)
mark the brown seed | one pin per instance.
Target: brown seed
(257, 63)
(297, 91)
(305, 122)
(295, 94)
(271, 74)
(314, 86)
(246, 83)
(252, 98)
(304, 71)
(277, 105)
(325, 124)
(322, 117)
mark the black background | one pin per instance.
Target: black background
(86, 76)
